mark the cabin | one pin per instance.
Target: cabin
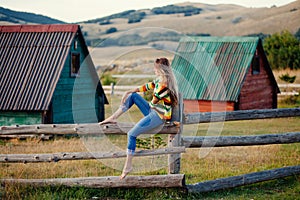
(47, 76)
(216, 74)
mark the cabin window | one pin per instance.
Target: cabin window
(75, 44)
(75, 64)
(256, 64)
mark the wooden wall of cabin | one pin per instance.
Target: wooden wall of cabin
(8, 118)
(75, 99)
(258, 91)
(191, 106)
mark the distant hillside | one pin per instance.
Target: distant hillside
(214, 20)
(16, 17)
(132, 27)
(135, 16)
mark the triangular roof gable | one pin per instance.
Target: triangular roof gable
(32, 58)
(92, 68)
(213, 68)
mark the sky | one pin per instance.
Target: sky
(72, 11)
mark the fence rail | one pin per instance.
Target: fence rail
(195, 118)
(119, 89)
(155, 181)
(246, 179)
(245, 140)
(79, 129)
(55, 157)
(289, 85)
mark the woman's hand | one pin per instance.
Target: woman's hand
(124, 97)
(127, 93)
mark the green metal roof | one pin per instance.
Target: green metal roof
(213, 68)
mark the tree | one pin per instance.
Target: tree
(297, 34)
(283, 50)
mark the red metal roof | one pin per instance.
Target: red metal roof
(31, 61)
(39, 28)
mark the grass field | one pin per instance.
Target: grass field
(197, 164)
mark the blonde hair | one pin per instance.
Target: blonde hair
(168, 78)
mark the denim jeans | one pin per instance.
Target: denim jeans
(150, 121)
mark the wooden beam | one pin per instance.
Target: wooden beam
(155, 181)
(80, 129)
(248, 140)
(55, 157)
(246, 179)
(195, 118)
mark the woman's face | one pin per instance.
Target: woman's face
(156, 71)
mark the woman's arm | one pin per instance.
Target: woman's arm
(143, 88)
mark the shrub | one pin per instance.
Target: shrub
(107, 79)
(287, 78)
(111, 30)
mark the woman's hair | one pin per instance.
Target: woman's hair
(167, 75)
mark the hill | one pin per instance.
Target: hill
(216, 20)
(133, 27)
(8, 16)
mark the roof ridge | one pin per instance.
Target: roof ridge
(219, 39)
(39, 28)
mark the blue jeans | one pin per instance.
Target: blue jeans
(150, 121)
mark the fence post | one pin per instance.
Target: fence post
(174, 140)
(112, 85)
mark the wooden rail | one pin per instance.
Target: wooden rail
(79, 129)
(119, 89)
(55, 157)
(155, 181)
(246, 179)
(195, 118)
(289, 85)
(245, 140)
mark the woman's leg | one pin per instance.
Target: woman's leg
(146, 124)
(133, 98)
(140, 102)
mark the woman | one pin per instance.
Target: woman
(156, 112)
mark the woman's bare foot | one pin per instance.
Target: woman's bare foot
(109, 120)
(113, 118)
(125, 172)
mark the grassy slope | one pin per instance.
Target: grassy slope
(215, 20)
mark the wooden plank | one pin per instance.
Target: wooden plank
(246, 179)
(55, 157)
(289, 85)
(248, 140)
(154, 181)
(23, 137)
(195, 118)
(80, 129)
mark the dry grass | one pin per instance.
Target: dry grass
(198, 164)
(231, 161)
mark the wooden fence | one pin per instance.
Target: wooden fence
(176, 146)
(112, 89)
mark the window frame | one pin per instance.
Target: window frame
(256, 64)
(75, 65)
